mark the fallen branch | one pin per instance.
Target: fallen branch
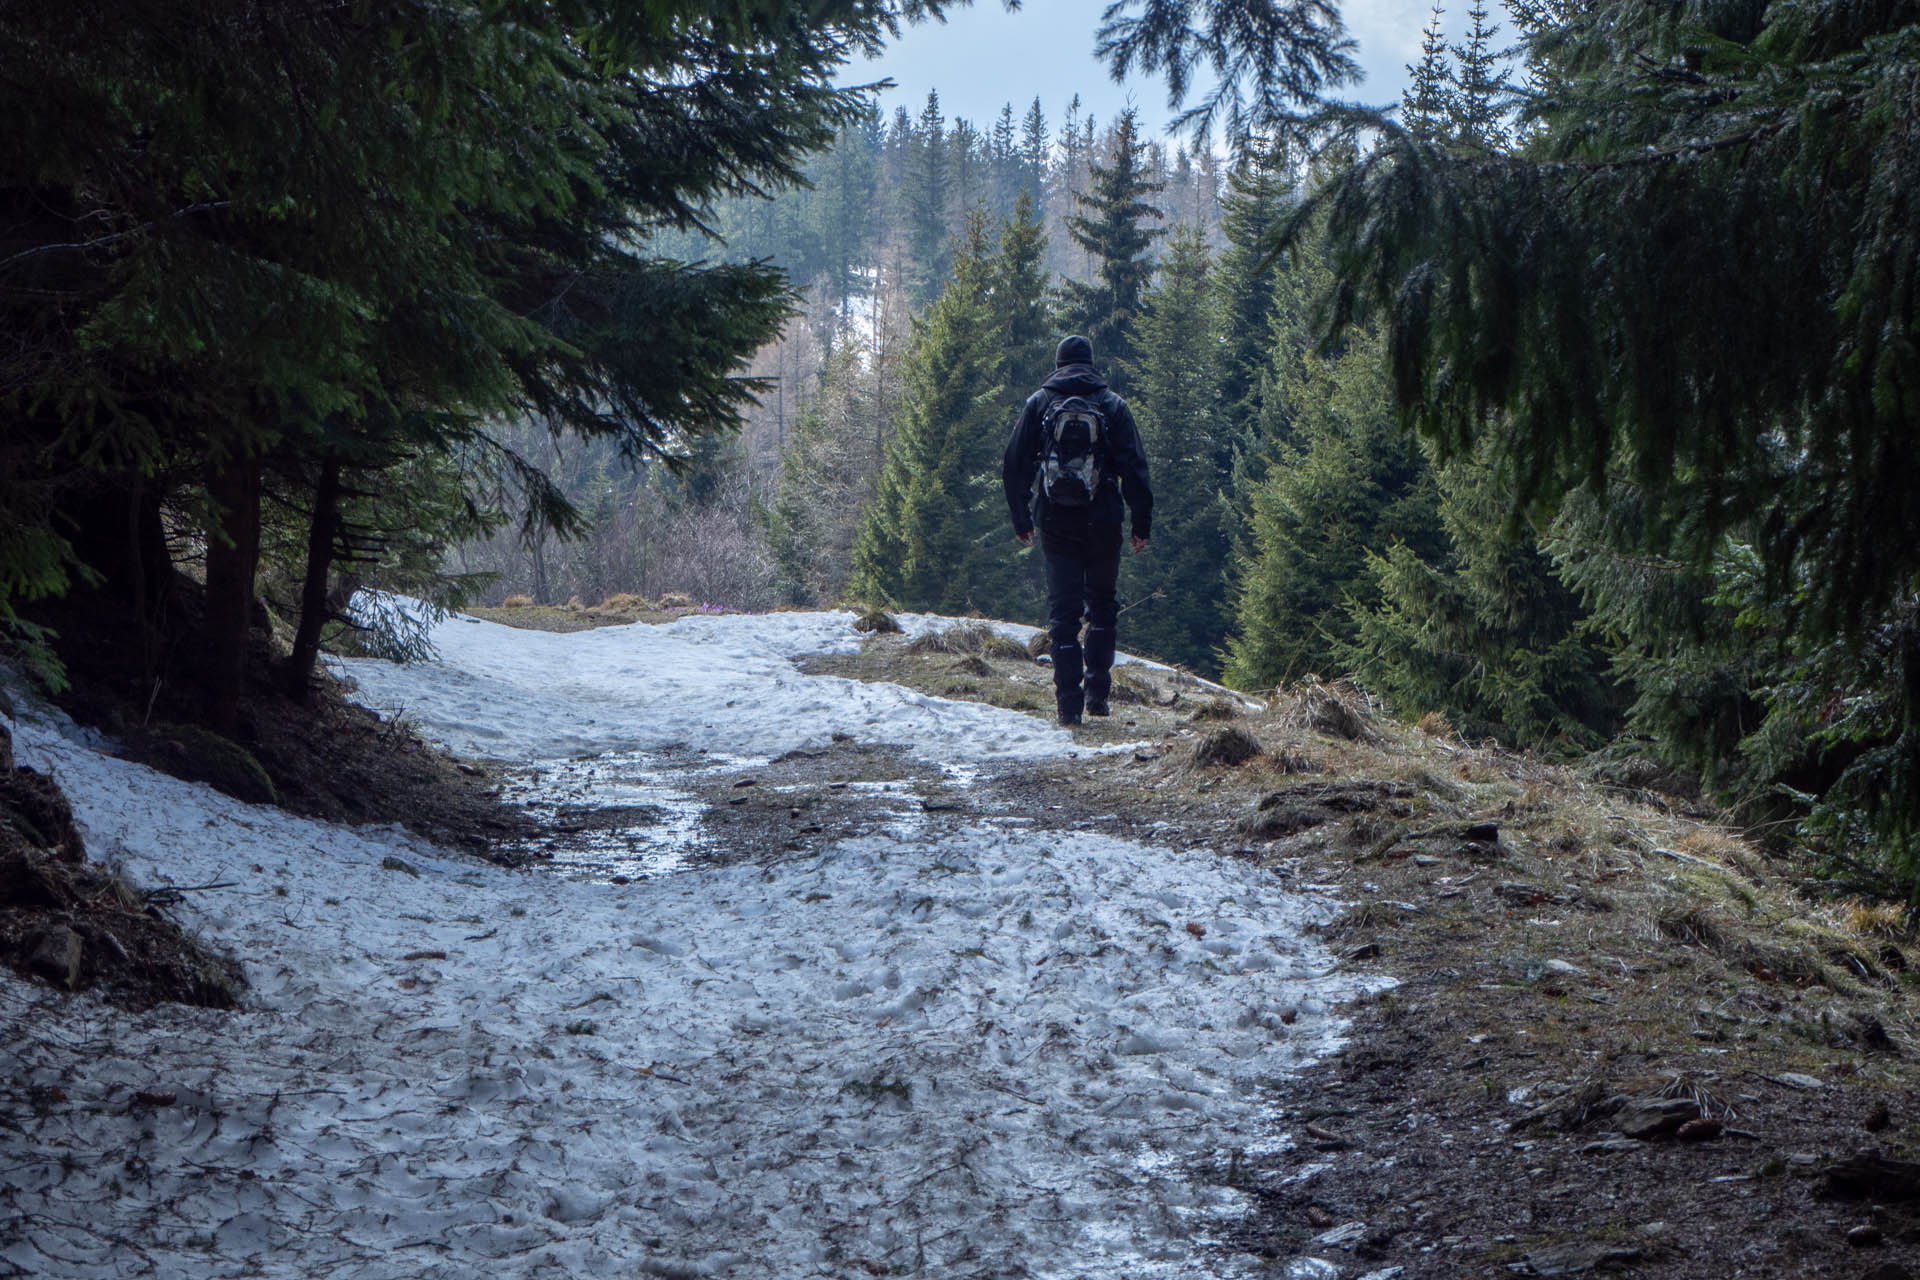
(169, 894)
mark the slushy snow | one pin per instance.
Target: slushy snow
(724, 684)
(962, 1047)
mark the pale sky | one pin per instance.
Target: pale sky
(983, 56)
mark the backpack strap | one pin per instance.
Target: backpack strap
(1055, 400)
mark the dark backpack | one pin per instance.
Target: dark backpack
(1073, 447)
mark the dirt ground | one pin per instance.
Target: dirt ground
(1623, 1039)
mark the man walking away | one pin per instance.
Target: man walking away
(1078, 439)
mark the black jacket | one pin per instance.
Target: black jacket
(1126, 459)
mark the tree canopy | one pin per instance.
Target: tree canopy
(249, 245)
(1686, 298)
(1696, 278)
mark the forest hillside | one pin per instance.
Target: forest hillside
(1550, 428)
(820, 934)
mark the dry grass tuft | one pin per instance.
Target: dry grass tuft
(1231, 747)
(969, 637)
(1435, 725)
(1216, 710)
(974, 638)
(1338, 710)
(1287, 760)
(1692, 926)
(676, 600)
(1693, 1089)
(1797, 954)
(1876, 919)
(1003, 649)
(626, 602)
(932, 642)
(517, 601)
(877, 622)
(1715, 845)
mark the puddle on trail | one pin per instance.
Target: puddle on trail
(618, 815)
(641, 815)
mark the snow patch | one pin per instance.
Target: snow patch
(719, 684)
(959, 1047)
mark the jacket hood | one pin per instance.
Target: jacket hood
(1075, 380)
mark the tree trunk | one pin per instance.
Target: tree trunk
(115, 530)
(296, 677)
(233, 556)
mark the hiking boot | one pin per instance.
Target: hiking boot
(1099, 683)
(1067, 695)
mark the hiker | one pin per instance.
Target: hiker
(1077, 437)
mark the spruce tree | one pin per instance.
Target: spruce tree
(1690, 665)
(1477, 109)
(1346, 484)
(1260, 195)
(1009, 582)
(826, 477)
(1257, 58)
(1273, 295)
(1021, 302)
(1036, 152)
(1003, 163)
(1677, 285)
(255, 246)
(845, 181)
(1066, 258)
(896, 161)
(926, 192)
(924, 541)
(1484, 631)
(1425, 108)
(1178, 610)
(967, 171)
(1728, 683)
(1114, 231)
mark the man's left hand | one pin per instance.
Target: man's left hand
(1139, 544)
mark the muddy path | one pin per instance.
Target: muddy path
(1499, 1108)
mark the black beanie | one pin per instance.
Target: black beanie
(1074, 350)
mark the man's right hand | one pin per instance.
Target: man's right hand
(1024, 539)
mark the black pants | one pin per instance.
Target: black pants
(1083, 567)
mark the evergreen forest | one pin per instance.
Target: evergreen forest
(1568, 402)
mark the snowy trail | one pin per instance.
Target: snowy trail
(722, 684)
(958, 1048)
